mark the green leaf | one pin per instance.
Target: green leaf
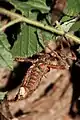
(45, 36)
(29, 42)
(75, 27)
(65, 18)
(26, 43)
(6, 59)
(67, 25)
(30, 5)
(72, 8)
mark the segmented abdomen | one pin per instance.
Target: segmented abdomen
(32, 79)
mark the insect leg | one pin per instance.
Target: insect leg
(56, 66)
(24, 59)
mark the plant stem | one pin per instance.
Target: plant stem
(31, 22)
(10, 24)
(20, 18)
(73, 37)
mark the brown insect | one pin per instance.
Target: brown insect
(56, 59)
(34, 75)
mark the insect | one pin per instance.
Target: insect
(56, 59)
(35, 73)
